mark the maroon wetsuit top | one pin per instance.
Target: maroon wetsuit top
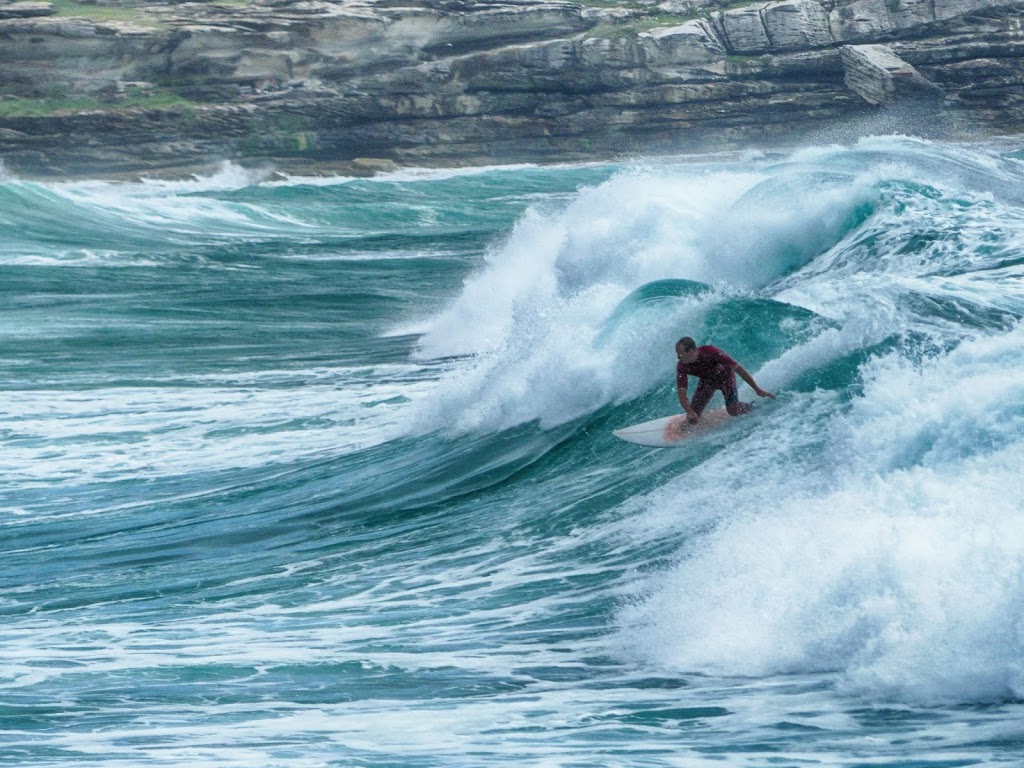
(712, 366)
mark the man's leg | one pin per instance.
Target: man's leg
(701, 396)
(732, 399)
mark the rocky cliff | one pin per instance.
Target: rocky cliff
(130, 86)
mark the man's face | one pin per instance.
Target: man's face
(686, 356)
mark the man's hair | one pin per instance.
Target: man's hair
(687, 343)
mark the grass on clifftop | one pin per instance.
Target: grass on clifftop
(141, 16)
(73, 9)
(71, 104)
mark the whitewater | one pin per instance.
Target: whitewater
(319, 471)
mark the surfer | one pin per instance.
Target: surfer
(714, 369)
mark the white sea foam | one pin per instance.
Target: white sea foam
(141, 215)
(906, 578)
(532, 314)
(633, 229)
(229, 176)
(112, 433)
(169, 211)
(959, 407)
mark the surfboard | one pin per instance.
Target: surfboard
(670, 430)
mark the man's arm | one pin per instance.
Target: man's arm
(685, 402)
(742, 373)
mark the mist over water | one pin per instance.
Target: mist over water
(320, 471)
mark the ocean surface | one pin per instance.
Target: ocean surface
(319, 471)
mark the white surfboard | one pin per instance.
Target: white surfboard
(670, 430)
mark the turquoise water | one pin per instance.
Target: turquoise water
(313, 472)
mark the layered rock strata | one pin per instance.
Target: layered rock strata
(306, 83)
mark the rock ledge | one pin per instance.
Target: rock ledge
(139, 86)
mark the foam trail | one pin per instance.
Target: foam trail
(157, 431)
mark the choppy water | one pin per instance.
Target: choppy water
(320, 472)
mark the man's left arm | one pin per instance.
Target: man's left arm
(742, 373)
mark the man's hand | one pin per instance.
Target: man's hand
(762, 393)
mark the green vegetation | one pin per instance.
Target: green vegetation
(73, 9)
(69, 104)
(141, 16)
(737, 4)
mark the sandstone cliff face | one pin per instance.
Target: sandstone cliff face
(307, 82)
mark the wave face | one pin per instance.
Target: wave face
(320, 471)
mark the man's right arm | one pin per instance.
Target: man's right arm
(685, 401)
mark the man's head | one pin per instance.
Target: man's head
(686, 349)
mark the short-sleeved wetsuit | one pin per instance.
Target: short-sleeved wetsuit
(714, 370)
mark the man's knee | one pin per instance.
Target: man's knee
(738, 409)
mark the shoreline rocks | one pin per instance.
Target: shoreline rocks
(309, 83)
